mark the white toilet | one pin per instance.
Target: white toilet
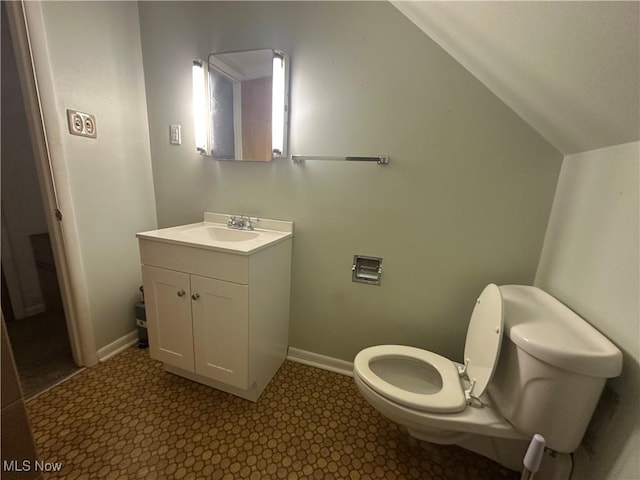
(544, 376)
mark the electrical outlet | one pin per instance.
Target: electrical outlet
(82, 124)
(175, 134)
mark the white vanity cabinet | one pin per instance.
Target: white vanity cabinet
(199, 324)
(216, 316)
(168, 306)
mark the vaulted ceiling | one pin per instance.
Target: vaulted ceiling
(571, 69)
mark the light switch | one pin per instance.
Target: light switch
(175, 134)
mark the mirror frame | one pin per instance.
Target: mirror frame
(279, 104)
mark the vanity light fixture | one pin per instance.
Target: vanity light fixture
(200, 105)
(279, 105)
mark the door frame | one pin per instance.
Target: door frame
(52, 179)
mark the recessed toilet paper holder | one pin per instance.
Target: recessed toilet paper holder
(366, 269)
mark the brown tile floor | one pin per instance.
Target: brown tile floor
(127, 418)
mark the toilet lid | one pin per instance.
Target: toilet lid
(484, 337)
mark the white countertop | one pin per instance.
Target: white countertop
(268, 232)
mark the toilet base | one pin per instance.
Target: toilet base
(508, 449)
(507, 452)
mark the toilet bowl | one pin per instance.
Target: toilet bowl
(425, 381)
(442, 427)
(543, 375)
(479, 428)
(412, 377)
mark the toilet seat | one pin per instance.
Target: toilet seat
(449, 398)
(401, 371)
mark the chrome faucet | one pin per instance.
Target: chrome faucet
(241, 222)
(232, 222)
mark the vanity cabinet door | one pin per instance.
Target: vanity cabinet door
(221, 330)
(168, 308)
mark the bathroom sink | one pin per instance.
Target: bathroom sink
(219, 234)
(214, 234)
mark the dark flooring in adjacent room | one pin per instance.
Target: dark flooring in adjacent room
(127, 418)
(40, 345)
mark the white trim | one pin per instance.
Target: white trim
(35, 309)
(11, 271)
(320, 361)
(108, 351)
(26, 24)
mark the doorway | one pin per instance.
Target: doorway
(31, 301)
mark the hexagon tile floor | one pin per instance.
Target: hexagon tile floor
(127, 418)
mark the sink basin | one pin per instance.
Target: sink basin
(214, 234)
(219, 234)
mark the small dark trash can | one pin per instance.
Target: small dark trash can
(141, 322)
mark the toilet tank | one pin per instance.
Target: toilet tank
(552, 367)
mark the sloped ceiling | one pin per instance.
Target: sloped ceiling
(571, 69)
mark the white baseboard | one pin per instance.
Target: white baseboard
(108, 351)
(35, 309)
(320, 361)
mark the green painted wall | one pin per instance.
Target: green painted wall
(88, 57)
(464, 202)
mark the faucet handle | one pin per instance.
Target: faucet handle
(241, 222)
(250, 223)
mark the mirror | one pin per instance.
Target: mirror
(247, 105)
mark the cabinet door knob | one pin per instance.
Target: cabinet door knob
(195, 296)
(181, 293)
